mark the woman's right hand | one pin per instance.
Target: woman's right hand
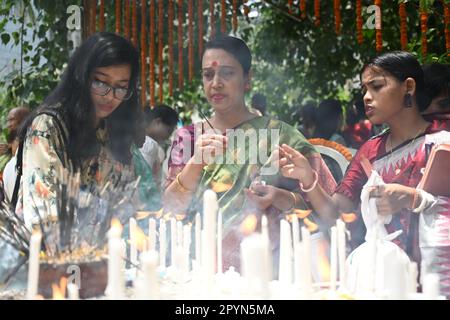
(208, 147)
(294, 165)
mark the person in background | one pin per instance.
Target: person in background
(306, 116)
(259, 104)
(329, 120)
(359, 128)
(437, 86)
(160, 122)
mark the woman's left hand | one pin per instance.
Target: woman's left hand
(262, 196)
(392, 197)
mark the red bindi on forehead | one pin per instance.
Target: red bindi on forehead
(214, 63)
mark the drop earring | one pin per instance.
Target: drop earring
(408, 100)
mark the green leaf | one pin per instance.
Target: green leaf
(5, 38)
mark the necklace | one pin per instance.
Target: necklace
(397, 170)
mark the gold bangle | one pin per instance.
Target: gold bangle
(181, 187)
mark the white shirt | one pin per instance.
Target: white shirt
(154, 155)
(9, 177)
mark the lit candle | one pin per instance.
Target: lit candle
(285, 269)
(266, 239)
(162, 243)
(333, 258)
(115, 288)
(186, 249)
(219, 242)
(33, 265)
(431, 286)
(173, 239)
(341, 250)
(413, 273)
(72, 290)
(210, 208)
(265, 227)
(133, 243)
(151, 234)
(198, 237)
(296, 242)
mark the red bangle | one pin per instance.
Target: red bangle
(313, 185)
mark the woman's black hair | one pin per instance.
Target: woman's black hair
(234, 46)
(328, 117)
(73, 92)
(437, 81)
(402, 65)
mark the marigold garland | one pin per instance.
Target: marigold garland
(447, 27)
(191, 40)
(180, 44)
(212, 21)
(118, 7)
(317, 12)
(200, 29)
(403, 25)
(223, 17)
(170, 44)
(143, 52)
(378, 31)
(303, 9)
(334, 145)
(134, 23)
(359, 22)
(424, 29)
(290, 3)
(101, 22)
(152, 52)
(160, 47)
(127, 19)
(235, 21)
(337, 16)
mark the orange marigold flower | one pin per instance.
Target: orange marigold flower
(41, 189)
(334, 145)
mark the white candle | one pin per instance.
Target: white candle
(219, 242)
(162, 243)
(116, 288)
(254, 266)
(333, 258)
(296, 242)
(186, 250)
(133, 243)
(149, 286)
(72, 291)
(33, 265)
(266, 239)
(123, 250)
(413, 273)
(285, 262)
(306, 260)
(210, 207)
(431, 286)
(151, 234)
(179, 233)
(173, 239)
(198, 237)
(342, 254)
(265, 227)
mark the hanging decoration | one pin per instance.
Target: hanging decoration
(101, 22)
(180, 44)
(303, 9)
(160, 48)
(127, 20)
(223, 17)
(290, 4)
(447, 27)
(93, 17)
(134, 23)
(191, 40)
(359, 22)
(143, 54)
(118, 7)
(200, 29)
(170, 45)
(337, 16)
(212, 21)
(235, 21)
(403, 26)
(424, 28)
(152, 53)
(317, 12)
(378, 28)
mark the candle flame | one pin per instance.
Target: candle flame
(140, 215)
(59, 292)
(249, 224)
(301, 214)
(180, 217)
(311, 226)
(219, 187)
(348, 217)
(140, 239)
(115, 224)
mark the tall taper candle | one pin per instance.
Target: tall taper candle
(33, 265)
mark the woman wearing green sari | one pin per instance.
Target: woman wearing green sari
(230, 153)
